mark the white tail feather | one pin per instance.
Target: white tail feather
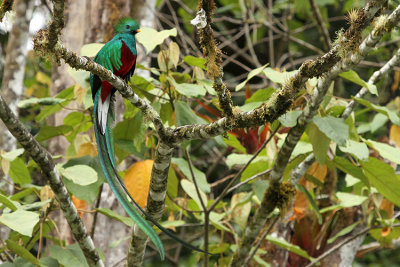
(102, 112)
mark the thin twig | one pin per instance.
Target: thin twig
(345, 241)
(203, 205)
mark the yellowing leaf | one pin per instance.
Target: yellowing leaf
(137, 181)
(43, 78)
(387, 206)
(318, 171)
(79, 93)
(87, 149)
(45, 194)
(173, 52)
(394, 134)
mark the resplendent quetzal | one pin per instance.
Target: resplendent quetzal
(119, 56)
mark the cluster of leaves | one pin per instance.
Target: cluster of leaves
(355, 168)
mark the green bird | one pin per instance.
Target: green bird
(119, 56)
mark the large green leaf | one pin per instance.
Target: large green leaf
(201, 179)
(70, 256)
(359, 150)
(150, 38)
(80, 174)
(195, 61)
(353, 77)
(185, 115)
(249, 76)
(190, 189)
(280, 242)
(21, 221)
(391, 114)
(21, 251)
(19, 173)
(113, 215)
(334, 128)
(47, 132)
(86, 192)
(383, 177)
(346, 166)
(189, 89)
(319, 141)
(277, 76)
(10, 156)
(386, 151)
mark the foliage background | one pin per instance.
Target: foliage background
(352, 186)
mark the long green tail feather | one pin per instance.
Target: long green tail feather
(108, 166)
(107, 144)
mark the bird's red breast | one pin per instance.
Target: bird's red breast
(128, 59)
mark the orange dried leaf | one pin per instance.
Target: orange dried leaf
(387, 206)
(79, 204)
(137, 181)
(318, 171)
(385, 231)
(300, 207)
(394, 134)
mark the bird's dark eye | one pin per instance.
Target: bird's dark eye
(127, 26)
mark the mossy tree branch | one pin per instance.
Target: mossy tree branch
(349, 60)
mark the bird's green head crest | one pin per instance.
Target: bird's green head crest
(127, 25)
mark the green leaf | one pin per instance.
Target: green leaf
(233, 142)
(45, 101)
(47, 132)
(150, 38)
(195, 61)
(261, 95)
(343, 232)
(19, 173)
(346, 166)
(21, 221)
(254, 168)
(280, 242)
(74, 118)
(348, 200)
(241, 207)
(66, 94)
(87, 192)
(289, 119)
(201, 179)
(383, 177)
(70, 256)
(185, 115)
(10, 156)
(91, 50)
(21, 251)
(249, 76)
(188, 89)
(190, 189)
(239, 159)
(359, 150)
(386, 151)
(334, 128)
(385, 241)
(353, 77)
(391, 114)
(319, 141)
(277, 76)
(377, 122)
(12, 205)
(79, 174)
(113, 215)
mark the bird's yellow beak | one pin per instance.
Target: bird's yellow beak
(138, 30)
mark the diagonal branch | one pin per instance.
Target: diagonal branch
(44, 160)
